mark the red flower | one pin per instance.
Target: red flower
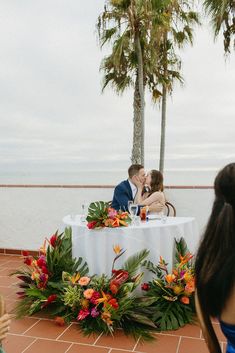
(113, 287)
(113, 302)
(45, 270)
(145, 286)
(53, 240)
(83, 313)
(41, 262)
(120, 276)
(28, 261)
(50, 299)
(21, 294)
(59, 321)
(95, 296)
(25, 253)
(91, 225)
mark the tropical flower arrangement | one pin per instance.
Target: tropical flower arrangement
(41, 276)
(55, 282)
(100, 215)
(173, 291)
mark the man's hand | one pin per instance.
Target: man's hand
(137, 182)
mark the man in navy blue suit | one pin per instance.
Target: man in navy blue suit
(126, 190)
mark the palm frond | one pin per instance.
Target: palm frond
(133, 263)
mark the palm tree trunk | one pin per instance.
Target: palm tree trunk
(140, 77)
(163, 130)
(163, 117)
(136, 149)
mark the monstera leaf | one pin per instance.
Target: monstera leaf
(97, 211)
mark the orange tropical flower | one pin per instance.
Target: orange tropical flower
(74, 279)
(116, 223)
(106, 317)
(59, 321)
(108, 222)
(177, 289)
(190, 286)
(117, 249)
(170, 278)
(184, 300)
(188, 277)
(105, 297)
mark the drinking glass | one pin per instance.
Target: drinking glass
(129, 205)
(83, 211)
(133, 212)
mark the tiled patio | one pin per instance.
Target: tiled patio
(41, 335)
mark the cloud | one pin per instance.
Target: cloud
(52, 110)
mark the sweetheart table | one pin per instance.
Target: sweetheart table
(96, 245)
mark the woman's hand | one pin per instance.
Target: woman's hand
(4, 326)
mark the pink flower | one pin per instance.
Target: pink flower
(83, 281)
(83, 313)
(94, 312)
(88, 293)
(112, 213)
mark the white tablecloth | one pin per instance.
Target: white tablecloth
(96, 246)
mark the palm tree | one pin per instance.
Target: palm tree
(223, 16)
(175, 32)
(128, 24)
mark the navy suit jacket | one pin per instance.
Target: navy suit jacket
(122, 194)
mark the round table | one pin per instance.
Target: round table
(96, 246)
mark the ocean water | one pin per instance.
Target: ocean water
(102, 177)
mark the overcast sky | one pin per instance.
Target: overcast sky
(52, 111)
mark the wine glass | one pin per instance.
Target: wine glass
(83, 211)
(133, 212)
(130, 202)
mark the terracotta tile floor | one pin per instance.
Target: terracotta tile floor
(38, 334)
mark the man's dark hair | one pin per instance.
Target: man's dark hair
(134, 169)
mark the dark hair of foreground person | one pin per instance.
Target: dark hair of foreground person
(215, 264)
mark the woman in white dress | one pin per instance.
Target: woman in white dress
(153, 198)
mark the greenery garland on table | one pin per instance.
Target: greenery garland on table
(172, 293)
(54, 280)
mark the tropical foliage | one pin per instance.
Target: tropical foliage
(59, 284)
(223, 17)
(100, 214)
(173, 291)
(41, 278)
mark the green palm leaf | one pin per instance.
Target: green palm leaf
(133, 263)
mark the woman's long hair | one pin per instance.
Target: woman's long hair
(156, 181)
(215, 261)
